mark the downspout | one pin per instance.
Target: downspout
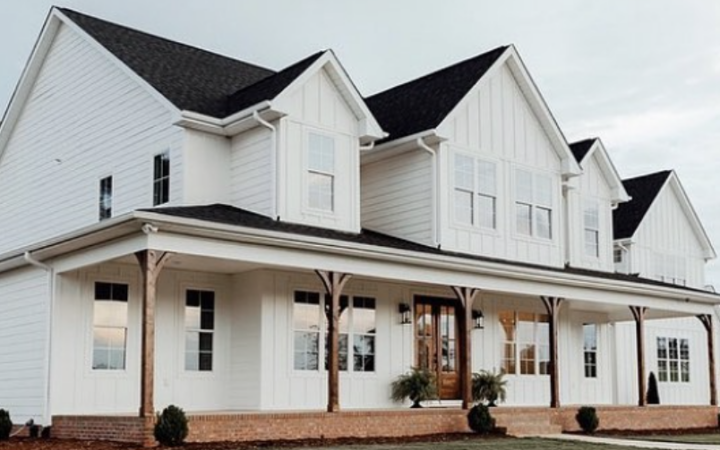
(275, 163)
(436, 192)
(51, 303)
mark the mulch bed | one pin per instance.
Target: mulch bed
(55, 444)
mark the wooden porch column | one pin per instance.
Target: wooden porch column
(552, 305)
(151, 264)
(639, 313)
(466, 297)
(334, 283)
(707, 322)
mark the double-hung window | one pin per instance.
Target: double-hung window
(321, 172)
(673, 357)
(533, 204)
(475, 193)
(363, 334)
(161, 179)
(110, 322)
(590, 348)
(199, 330)
(591, 220)
(526, 343)
(105, 200)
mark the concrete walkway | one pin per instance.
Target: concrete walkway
(632, 442)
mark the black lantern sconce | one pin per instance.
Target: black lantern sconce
(404, 310)
(478, 319)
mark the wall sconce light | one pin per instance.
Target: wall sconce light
(478, 319)
(404, 310)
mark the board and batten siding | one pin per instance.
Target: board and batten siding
(397, 196)
(24, 308)
(251, 171)
(84, 119)
(495, 123)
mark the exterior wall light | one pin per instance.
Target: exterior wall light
(404, 310)
(478, 319)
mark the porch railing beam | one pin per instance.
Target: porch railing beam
(707, 322)
(552, 306)
(639, 313)
(466, 296)
(334, 283)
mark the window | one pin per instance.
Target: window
(475, 193)
(105, 201)
(357, 326)
(161, 179)
(526, 346)
(533, 204)
(321, 172)
(591, 219)
(670, 269)
(618, 255)
(199, 329)
(110, 318)
(590, 339)
(673, 356)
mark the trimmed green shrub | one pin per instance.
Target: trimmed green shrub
(480, 420)
(171, 427)
(5, 425)
(653, 395)
(587, 419)
(418, 385)
(489, 386)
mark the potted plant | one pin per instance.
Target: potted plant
(417, 385)
(489, 386)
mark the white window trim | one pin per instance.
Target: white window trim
(199, 330)
(168, 176)
(329, 213)
(679, 360)
(596, 352)
(534, 205)
(181, 294)
(595, 205)
(112, 195)
(536, 342)
(475, 193)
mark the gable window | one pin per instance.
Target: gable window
(110, 321)
(591, 220)
(590, 340)
(321, 172)
(673, 357)
(475, 192)
(105, 200)
(526, 346)
(161, 179)
(617, 255)
(199, 330)
(533, 204)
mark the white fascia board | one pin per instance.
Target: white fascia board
(691, 215)
(370, 129)
(231, 125)
(97, 254)
(404, 144)
(609, 170)
(455, 270)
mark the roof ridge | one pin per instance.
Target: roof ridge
(439, 71)
(155, 36)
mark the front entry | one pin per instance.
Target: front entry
(436, 343)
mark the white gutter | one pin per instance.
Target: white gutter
(435, 192)
(405, 140)
(275, 158)
(220, 126)
(368, 147)
(27, 256)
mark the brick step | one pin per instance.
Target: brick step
(527, 430)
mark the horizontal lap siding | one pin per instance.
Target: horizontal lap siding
(23, 340)
(84, 119)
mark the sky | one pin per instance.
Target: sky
(643, 75)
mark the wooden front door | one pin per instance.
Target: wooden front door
(436, 343)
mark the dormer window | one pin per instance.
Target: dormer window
(475, 193)
(321, 172)
(533, 204)
(591, 220)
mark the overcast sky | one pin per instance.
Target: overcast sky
(644, 75)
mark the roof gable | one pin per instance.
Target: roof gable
(580, 149)
(643, 190)
(589, 149)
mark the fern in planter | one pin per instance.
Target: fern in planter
(417, 385)
(489, 387)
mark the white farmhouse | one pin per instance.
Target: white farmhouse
(179, 227)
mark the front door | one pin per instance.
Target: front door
(436, 343)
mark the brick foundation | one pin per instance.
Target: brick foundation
(384, 423)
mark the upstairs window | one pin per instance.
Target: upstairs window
(105, 199)
(321, 172)
(475, 192)
(673, 357)
(591, 220)
(533, 204)
(199, 330)
(161, 179)
(618, 255)
(590, 340)
(110, 322)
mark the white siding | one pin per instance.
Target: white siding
(206, 165)
(24, 296)
(496, 123)
(84, 119)
(397, 196)
(251, 171)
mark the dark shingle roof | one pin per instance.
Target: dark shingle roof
(643, 190)
(230, 215)
(422, 104)
(190, 78)
(581, 148)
